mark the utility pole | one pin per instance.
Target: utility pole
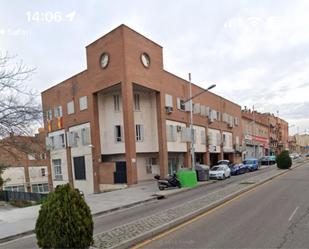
(254, 142)
(191, 117)
(191, 126)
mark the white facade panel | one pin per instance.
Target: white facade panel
(178, 145)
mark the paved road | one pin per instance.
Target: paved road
(106, 222)
(275, 215)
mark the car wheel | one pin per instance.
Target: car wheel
(161, 188)
(223, 177)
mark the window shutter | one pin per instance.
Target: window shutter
(48, 143)
(197, 108)
(218, 135)
(178, 103)
(187, 106)
(203, 137)
(85, 132)
(168, 100)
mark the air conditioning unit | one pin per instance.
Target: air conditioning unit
(169, 109)
(179, 128)
(230, 125)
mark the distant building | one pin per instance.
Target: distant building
(124, 119)
(264, 133)
(26, 165)
(255, 134)
(299, 143)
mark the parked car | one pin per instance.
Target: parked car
(220, 172)
(307, 155)
(224, 162)
(268, 160)
(238, 168)
(234, 167)
(252, 163)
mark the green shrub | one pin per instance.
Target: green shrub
(283, 160)
(64, 220)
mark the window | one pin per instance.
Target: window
(43, 172)
(19, 188)
(116, 103)
(203, 137)
(171, 131)
(86, 136)
(40, 188)
(49, 114)
(58, 111)
(79, 168)
(118, 133)
(61, 141)
(136, 102)
(139, 132)
(70, 107)
(72, 139)
(83, 103)
(224, 139)
(42, 156)
(57, 169)
(181, 104)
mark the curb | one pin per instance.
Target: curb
(167, 226)
(179, 221)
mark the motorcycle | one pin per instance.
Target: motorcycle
(170, 182)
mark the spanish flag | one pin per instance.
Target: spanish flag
(59, 122)
(49, 125)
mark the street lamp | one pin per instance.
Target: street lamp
(191, 118)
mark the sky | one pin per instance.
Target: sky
(256, 52)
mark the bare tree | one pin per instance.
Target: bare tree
(19, 108)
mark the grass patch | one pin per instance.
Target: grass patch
(21, 204)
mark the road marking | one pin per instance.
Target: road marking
(159, 236)
(294, 212)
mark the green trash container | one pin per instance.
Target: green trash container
(187, 178)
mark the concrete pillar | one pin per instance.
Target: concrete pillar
(70, 166)
(49, 171)
(161, 123)
(129, 130)
(27, 176)
(95, 140)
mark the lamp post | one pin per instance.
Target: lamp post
(191, 118)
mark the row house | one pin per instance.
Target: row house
(278, 133)
(264, 130)
(25, 163)
(299, 143)
(255, 134)
(125, 118)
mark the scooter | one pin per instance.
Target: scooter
(171, 182)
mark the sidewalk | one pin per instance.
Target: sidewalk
(21, 221)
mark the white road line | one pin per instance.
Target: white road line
(294, 212)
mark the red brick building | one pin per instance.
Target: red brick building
(24, 159)
(123, 119)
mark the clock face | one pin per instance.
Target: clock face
(104, 60)
(145, 60)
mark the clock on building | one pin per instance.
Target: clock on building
(145, 59)
(104, 59)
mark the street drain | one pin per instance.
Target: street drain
(246, 182)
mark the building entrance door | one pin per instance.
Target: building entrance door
(120, 175)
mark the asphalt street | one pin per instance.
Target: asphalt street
(274, 215)
(109, 221)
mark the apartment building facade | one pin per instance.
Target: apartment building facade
(25, 163)
(255, 134)
(124, 119)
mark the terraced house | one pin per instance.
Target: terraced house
(25, 163)
(124, 118)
